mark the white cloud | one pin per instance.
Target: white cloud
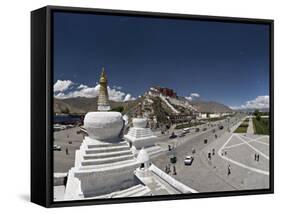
(128, 97)
(195, 95)
(115, 95)
(259, 102)
(192, 96)
(62, 85)
(85, 92)
(117, 87)
(89, 92)
(60, 95)
(82, 86)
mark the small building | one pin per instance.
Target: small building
(167, 92)
(181, 118)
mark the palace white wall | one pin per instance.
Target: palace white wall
(15, 105)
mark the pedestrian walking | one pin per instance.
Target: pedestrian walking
(213, 152)
(193, 151)
(169, 168)
(165, 169)
(225, 152)
(228, 170)
(66, 151)
(209, 155)
(255, 156)
(258, 157)
(174, 170)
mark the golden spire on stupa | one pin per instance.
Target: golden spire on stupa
(103, 102)
(103, 78)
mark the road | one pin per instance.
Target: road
(200, 175)
(64, 161)
(250, 129)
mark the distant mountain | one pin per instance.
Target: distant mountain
(209, 106)
(82, 105)
(154, 103)
(250, 110)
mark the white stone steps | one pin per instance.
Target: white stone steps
(107, 154)
(144, 192)
(101, 145)
(153, 150)
(106, 160)
(104, 167)
(107, 149)
(143, 130)
(134, 191)
(126, 191)
(140, 133)
(138, 190)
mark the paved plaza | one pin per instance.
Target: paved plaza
(234, 151)
(237, 152)
(69, 141)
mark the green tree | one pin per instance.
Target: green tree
(65, 110)
(118, 108)
(256, 112)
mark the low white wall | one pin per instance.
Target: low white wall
(173, 182)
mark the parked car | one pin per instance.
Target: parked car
(173, 135)
(220, 127)
(204, 129)
(186, 130)
(57, 148)
(188, 160)
(197, 130)
(182, 134)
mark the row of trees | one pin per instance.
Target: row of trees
(258, 114)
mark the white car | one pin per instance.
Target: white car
(188, 160)
(57, 148)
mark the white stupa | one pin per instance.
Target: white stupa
(104, 163)
(140, 135)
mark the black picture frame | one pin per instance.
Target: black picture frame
(42, 105)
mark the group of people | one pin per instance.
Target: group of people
(224, 153)
(211, 153)
(168, 169)
(257, 157)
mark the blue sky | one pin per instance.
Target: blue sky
(224, 62)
